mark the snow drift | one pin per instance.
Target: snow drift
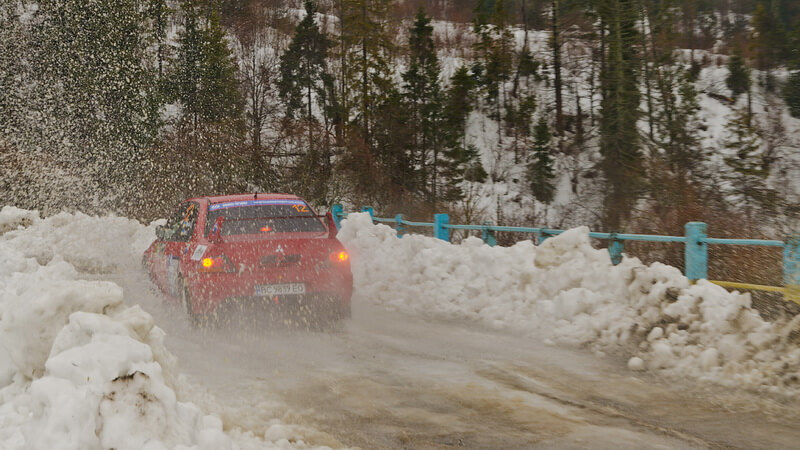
(81, 369)
(567, 291)
(78, 368)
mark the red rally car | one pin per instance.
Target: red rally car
(270, 250)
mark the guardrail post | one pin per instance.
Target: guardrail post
(439, 231)
(488, 235)
(368, 209)
(791, 268)
(615, 249)
(399, 227)
(337, 211)
(696, 251)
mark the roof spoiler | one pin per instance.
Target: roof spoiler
(332, 231)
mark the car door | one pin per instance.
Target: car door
(180, 228)
(158, 256)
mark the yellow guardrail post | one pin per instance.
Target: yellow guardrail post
(791, 268)
(755, 287)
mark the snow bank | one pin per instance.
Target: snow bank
(78, 368)
(568, 291)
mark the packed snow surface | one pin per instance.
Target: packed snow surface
(80, 368)
(567, 291)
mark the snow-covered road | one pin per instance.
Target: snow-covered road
(389, 380)
(459, 346)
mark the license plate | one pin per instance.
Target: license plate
(268, 290)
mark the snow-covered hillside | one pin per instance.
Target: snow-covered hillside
(81, 369)
(505, 195)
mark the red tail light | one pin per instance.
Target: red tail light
(215, 264)
(339, 257)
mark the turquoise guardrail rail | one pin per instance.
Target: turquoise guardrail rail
(695, 240)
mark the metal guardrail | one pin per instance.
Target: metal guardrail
(696, 242)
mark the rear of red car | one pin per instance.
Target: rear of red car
(266, 251)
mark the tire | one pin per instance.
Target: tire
(146, 268)
(331, 314)
(195, 320)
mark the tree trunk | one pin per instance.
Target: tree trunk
(646, 63)
(364, 78)
(309, 118)
(557, 71)
(344, 112)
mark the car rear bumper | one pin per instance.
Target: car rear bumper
(209, 290)
(305, 308)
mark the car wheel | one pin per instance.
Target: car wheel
(146, 268)
(195, 320)
(330, 314)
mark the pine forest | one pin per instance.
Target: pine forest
(621, 115)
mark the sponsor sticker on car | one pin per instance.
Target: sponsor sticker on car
(239, 204)
(198, 252)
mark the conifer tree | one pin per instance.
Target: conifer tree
(159, 13)
(12, 49)
(204, 78)
(791, 90)
(367, 104)
(748, 170)
(16, 186)
(518, 118)
(619, 138)
(422, 93)
(677, 115)
(738, 79)
(366, 50)
(462, 161)
(303, 76)
(791, 94)
(304, 81)
(527, 67)
(393, 148)
(495, 54)
(303, 66)
(555, 45)
(769, 40)
(90, 56)
(205, 70)
(459, 102)
(540, 169)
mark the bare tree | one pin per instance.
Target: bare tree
(259, 62)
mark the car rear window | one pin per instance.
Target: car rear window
(264, 216)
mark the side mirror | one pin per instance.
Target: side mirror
(332, 231)
(215, 235)
(161, 232)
